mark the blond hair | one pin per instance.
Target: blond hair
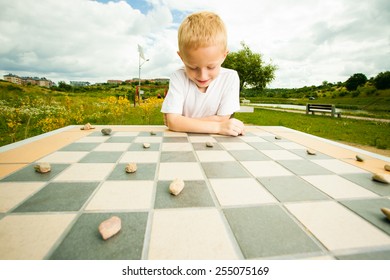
(202, 29)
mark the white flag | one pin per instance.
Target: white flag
(141, 52)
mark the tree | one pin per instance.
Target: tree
(250, 67)
(355, 80)
(62, 86)
(382, 80)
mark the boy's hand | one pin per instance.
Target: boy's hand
(232, 127)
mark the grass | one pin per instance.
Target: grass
(26, 111)
(362, 132)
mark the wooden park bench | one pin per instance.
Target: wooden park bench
(322, 108)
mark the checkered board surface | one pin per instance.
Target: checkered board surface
(248, 197)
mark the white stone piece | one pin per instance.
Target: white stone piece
(359, 158)
(131, 167)
(176, 186)
(386, 211)
(146, 145)
(383, 178)
(43, 167)
(310, 152)
(87, 126)
(209, 144)
(110, 227)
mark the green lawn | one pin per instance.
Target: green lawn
(362, 132)
(26, 111)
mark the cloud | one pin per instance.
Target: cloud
(309, 41)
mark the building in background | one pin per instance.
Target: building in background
(42, 82)
(79, 83)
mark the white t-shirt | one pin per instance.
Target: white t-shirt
(222, 96)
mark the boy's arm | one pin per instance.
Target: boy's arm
(213, 124)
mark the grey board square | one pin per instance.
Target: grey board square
(150, 133)
(28, 173)
(194, 194)
(203, 147)
(373, 255)
(365, 180)
(121, 139)
(247, 155)
(303, 153)
(291, 188)
(178, 156)
(268, 231)
(369, 209)
(101, 157)
(304, 167)
(274, 139)
(265, 146)
(84, 241)
(175, 139)
(96, 133)
(85, 147)
(227, 139)
(140, 147)
(224, 170)
(145, 171)
(59, 197)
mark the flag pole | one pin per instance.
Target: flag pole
(140, 55)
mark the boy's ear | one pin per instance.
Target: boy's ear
(178, 53)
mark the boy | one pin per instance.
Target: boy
(202, 96)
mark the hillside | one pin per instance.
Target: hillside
(27, 111)
(374, 102)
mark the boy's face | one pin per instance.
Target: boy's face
(202, 65)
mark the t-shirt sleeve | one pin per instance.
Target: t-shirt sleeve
(230, 101)
(174, 100)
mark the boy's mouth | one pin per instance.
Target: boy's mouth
(202, 82)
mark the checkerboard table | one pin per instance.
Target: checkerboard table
(249, 197)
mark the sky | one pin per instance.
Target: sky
(310, 41)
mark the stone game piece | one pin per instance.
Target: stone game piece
(110, 227)
(131, 167)
(152, 133)
(386, 211)
(176, 186)
(106, 131)
(310, 152)
(87, 126)
(383, 178)
(359, 158)
(43, 167)
(277, 137)
(209, 144)
(146, 145)
(387, 167)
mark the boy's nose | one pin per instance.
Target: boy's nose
(202, 74)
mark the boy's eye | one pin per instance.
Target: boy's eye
(211, 67)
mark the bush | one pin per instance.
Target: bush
(382, 80)
(355, 81)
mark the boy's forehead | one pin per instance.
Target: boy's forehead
(209, 51)
(203, 55)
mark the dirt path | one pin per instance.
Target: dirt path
(342, 116)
